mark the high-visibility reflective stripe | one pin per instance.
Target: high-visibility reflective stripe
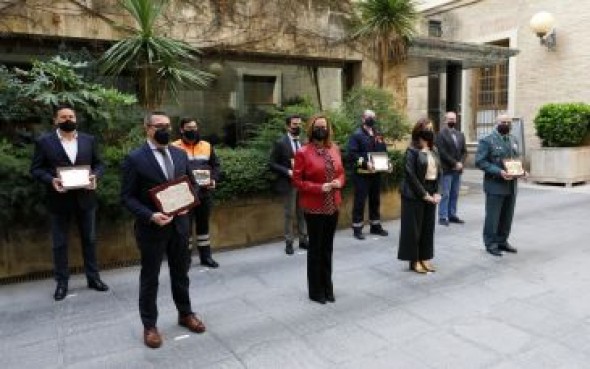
(358, 224)
(375, 222)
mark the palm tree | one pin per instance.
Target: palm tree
(162, 64)
(388, 26)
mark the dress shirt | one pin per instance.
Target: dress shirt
(160, 158)
(70, 146)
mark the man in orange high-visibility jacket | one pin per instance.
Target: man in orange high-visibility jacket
(202, 159)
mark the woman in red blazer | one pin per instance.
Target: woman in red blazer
(318, 174)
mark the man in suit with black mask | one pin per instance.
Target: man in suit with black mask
(66, 147)
(281, 162)
(452, 151)
(154, 163)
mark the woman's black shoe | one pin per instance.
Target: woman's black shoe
(319, 301)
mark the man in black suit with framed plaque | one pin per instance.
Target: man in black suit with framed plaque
(281, 162)
(65, 148)
(153, 164)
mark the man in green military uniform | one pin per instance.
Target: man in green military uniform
(500, 186)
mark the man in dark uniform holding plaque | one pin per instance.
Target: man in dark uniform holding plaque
(154, 164)
(500, 186)
(367, 182)
(67, 148)
(203, 160)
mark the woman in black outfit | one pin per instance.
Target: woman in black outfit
(420, 195)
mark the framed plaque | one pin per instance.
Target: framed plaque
(174, 196)
(514, 167)
(74, 177)
(380, 161)
(202, 176)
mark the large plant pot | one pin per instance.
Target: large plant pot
(564, 165)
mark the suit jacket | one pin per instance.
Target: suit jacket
(491, 152)
(280, 163)
(141, 172)
(415, 165)
(310, 174)
(50, 154)
(449, 152)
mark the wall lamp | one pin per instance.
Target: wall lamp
(543, 24)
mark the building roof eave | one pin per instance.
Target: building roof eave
(467, 54)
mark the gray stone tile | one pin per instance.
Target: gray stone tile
(497, 336)
(345, 343)
(443, 350)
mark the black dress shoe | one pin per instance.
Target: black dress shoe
(97, 284)
(289, 248)
(444, 222)
(60, 291)
(456, 220)
(494, 250)
(303, 245)
(508, 248)
(209, 262)
(359, 235)
(379, 231)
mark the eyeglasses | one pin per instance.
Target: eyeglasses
(506, 121)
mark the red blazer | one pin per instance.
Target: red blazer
(309, 174)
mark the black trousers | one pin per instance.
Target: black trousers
(416, 237)
(152, 249)
(321, 229)
(200, 216)
(60, 226)
(366, 185)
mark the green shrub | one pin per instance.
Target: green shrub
(22, 199)
(244, 172)
(562, 125)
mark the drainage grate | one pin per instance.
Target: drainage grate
(36, 276)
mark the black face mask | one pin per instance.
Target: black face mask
(295, 131)
(451, 124)
(192, 136)
(370, 122)
(319, 133)
(67, 126)
(503, 129)
(162, 136)
(427, 135)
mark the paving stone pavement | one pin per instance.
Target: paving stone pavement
(529, 310)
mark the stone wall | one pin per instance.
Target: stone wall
(241, 223)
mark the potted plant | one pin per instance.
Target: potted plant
(563, 129)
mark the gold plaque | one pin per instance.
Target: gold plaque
(514, 167)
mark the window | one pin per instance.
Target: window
(434, 28)
(259, 90)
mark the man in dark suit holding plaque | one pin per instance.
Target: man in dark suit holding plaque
(281, 162)
(154, 164)
(452, 151)
(67, 149)
(499, 185)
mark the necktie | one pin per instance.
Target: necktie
(296, 144)
(168, 166)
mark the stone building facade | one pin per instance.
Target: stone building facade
(534, 77)
(263, 53)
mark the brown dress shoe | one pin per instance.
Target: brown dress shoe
(192, 323)
(152, 338)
